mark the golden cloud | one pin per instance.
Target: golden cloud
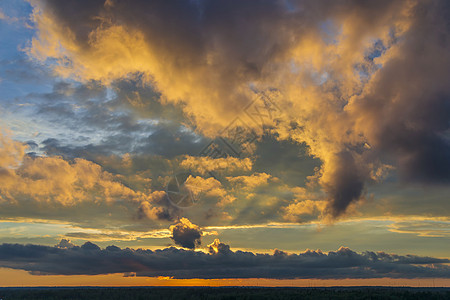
(53, 180)
(218, 59)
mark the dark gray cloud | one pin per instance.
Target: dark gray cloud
(143, 99)
(65, 244)
(106, 124)
(89, 259)
(347, 184)
(406, 107)
(186, 234)
(403, 111)
(219, 248)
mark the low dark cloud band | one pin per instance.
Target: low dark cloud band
(89, 259)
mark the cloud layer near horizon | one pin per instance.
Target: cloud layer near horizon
(89, 259)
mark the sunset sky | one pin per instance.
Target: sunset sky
(204, 142)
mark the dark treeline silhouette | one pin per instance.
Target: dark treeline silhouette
(207, 293)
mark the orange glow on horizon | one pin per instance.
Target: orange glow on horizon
(20, 278)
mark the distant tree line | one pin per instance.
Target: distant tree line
(206, 293)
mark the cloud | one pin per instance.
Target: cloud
(65, 244)
(95, 118)
(204, 164)
(186, 234)
(107, 235)
(218, 247)
(11, 153)
(304, 210)
(208, 188)
(221, 262)
(251, 182)
(404, 110)
(54, 180)
(92, 191)
(426, 228)
(363, 84)
(34, 186)
(344, 183)
(6, 18)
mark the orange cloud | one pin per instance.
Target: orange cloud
(53, 180)
(204, 165)
(252, 181)
(316, 56)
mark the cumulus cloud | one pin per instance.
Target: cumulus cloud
(204, 164)
(65, 244)
(362, 84)
(53, 179)
(218, 247)
(32, 186)
(252, 181)
(209, 188)
(127, 189)
(186, 234)
(221, 262)
(304, 210)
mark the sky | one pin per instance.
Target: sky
(196, 142)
